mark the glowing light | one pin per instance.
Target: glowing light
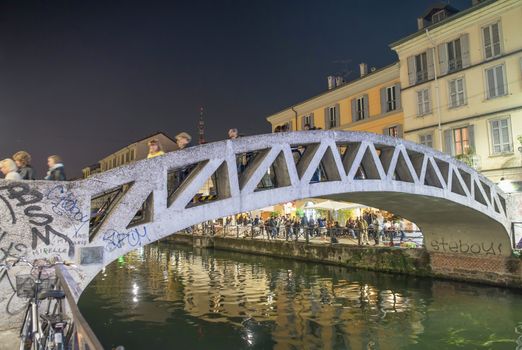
(506, 186)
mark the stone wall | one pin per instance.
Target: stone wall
(379, 259)
(493, 270)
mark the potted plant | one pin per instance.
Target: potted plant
(467, 156)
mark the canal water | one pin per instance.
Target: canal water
(165, 296)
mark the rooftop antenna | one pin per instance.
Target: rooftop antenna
(201, 127)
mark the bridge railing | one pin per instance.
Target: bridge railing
(386, 237)
(516, 229)
(83, 337)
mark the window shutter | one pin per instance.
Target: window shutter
(386, 131)
(399, 131)
(302, 122)
(487, 42)
(354, 110)
(312, 122)
(326, 119)
(471, 136)
(384, 105)
(464, 49)
(429, 59)
(490, 82)
(495, 36)
(337, 115)
(448, 142)
(452, 93)
(430, 105)
(411, 70)
(398, 102)
(495, 132)
(443, 58)
(366, 104)
(501, 83)
(419, 96)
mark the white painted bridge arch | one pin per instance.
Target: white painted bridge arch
(458, 209)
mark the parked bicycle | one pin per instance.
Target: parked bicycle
(44, 327)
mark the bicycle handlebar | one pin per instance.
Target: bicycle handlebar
(33, 264)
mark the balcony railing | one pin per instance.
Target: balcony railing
(422, 76)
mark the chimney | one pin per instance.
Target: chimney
(339, 81)
(420, 23)
(331, 82)
(475, 2)
(363, 67)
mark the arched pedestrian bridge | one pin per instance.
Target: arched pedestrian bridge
(458, 210)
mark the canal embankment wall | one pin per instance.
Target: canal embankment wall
(485, 269)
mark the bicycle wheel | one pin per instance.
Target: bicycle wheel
(25, 330)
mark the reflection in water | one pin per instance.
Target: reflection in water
(173, 297)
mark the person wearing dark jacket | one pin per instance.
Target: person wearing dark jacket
(182, 141)
(56, 169)
(23, 162)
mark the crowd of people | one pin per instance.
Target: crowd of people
(365, 229)
(19, 168)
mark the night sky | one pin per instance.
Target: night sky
(84, 78)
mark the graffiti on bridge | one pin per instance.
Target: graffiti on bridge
(461, 246)
(65, 203)
(20, 195)
(134, 237)
(10, 249)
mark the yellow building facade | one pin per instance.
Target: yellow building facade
(371, 103)
(461, 78)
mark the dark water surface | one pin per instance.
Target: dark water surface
(164, 296)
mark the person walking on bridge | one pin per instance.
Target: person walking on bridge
(183, 141)
(23, 162)
(155, 149)
(233, 134)
(9, 169)
(56, 169)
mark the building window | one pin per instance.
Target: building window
(501, 136)
(421, 67)
(391, 99)
(457, 96)
(454, 55)
(332, 117)
(132, 155)
(393, 131)
(460, 140)
(423, 102)
(426, 140)
(491, 37)
(359, 108)
(496, 82)
(308, 120)
(438, 16)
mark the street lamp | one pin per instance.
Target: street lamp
(506, 185)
